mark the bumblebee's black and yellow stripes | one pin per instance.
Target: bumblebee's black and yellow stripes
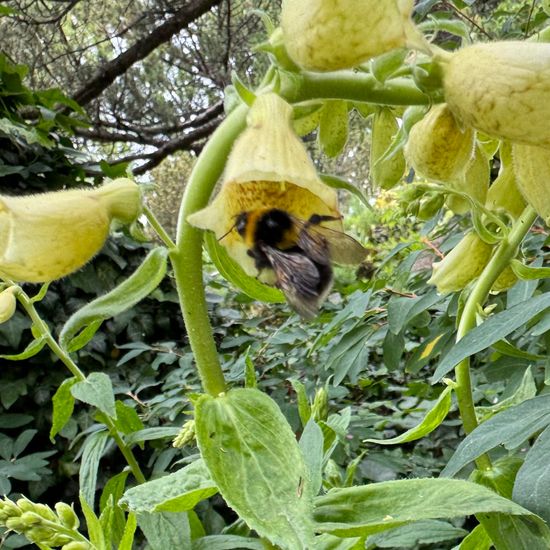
(299, 252)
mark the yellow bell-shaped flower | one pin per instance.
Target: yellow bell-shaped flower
(45, 237)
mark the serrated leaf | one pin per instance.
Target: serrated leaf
(492, 330)
(255, 461)
(176, 492)
(165, 530)
(34, 347)
(381, 506)
(127, 294)
(509, 428)
(333, 127)
(93, 449)
(96, 390)
(233, 272)
(63, 406)
(430, 422)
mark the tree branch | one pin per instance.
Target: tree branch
(141, 49)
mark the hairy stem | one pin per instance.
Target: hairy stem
(505, 251)
(43, 331)
(187, 256)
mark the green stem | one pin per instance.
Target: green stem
(187, 256)
(159, 230)
(44, 332)
(353, 86)
(505, 251)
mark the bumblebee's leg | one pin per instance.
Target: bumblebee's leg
(317, 219)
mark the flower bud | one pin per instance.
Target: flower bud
(8, 303)
(319, 408)
(507, 279)
(16, 524)
(504, 193)
(461, 265)
(437, 148)
(532, 170)
(474, 182)
(267, 167)
(502, 89)
(45, 237)
(67, 515)
(324, 35)
(385, 172)
(187, 434)
(30, 518)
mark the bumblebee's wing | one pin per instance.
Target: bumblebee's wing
(299, 279)
(325, 245)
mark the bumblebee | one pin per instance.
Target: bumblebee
(299, 252)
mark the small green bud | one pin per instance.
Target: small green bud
(30, 518)
(7, 305)
(187, 434)
(319, 409)
(429, 206)
(16, 524)
(9, 508)
(67, 515)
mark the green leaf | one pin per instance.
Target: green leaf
(93, 449)
(127, 419)
(304, 408)
(311, 443)
(126, 295)
(233, 272)
(528, 273)
(510, 350)
(383, 66)
(478, 539)
(114, 487)
(63, 406)
(402, 309)
(106, 520)
(255, 461)
(127, 541)
(34, 347)
(150, 434)
(177, 492)
(339, 183)
(95, 532)
(509, 428)
(532, 486)
(96, 390)
(516, 532)
(333, 127)
(227, 542)
(165, 530)
(431, 421)
(414, 534)
(526, 390)
(377, 507)
(492, 330)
